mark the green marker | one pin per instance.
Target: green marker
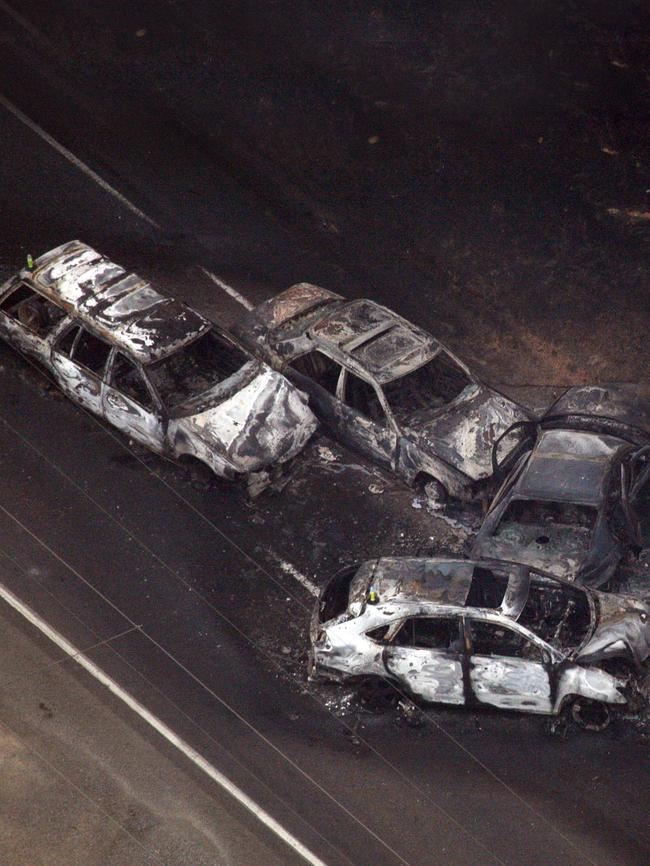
(30, 262)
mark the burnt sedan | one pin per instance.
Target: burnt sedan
(385, 387)
(569, 504)
(480, 633)
(150, 365)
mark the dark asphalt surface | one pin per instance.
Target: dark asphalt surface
(246, 136)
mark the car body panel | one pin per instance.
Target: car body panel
(253, 419)
(452, 444)
(567, 469)
(357, 622)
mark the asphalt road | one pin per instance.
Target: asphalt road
(82, 784)
(191, 593)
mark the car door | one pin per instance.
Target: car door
(28, 319)
(426, 657)
(506, 668)
(130, 403)
(79, 361)
(318, 375)
(367, 424)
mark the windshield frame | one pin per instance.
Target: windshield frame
(439, 350)
(172, 408)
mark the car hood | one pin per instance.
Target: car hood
(562, 555)
(464, 433)
(623, 629)
(267, 421)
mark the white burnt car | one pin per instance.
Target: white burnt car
(150, 365)
(386, 387)
(480, 633)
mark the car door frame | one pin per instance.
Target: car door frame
(63, 383)
(546, 664)
(136, 432)
(364, 430)
(459, 658)
(19, 335)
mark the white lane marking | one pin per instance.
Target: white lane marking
(287, 568)
(19, 19)
(75, 160)
(228, 289)
(78, 163)
(160, 727)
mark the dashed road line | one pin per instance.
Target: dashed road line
(290, 569)
(228, 289)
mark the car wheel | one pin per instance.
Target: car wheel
(377, 694)
(433, 489)
(591, 715)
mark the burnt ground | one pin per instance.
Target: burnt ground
(480, 167)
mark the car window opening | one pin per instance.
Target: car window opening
(362, 397)
(547, 516)
(334, 600)
(494, 639)
(431, 386)
(430, 633)
(559, 615)
(320, 369)
(196, 368)
(487, 588)
(91, 352)
(32, 310)
(128, 380)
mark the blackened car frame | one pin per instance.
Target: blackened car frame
(385, 387)
(480, 633)
(150, 365)
(569, 504)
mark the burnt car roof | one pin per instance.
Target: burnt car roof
(406, 578)
(383, 343)
(568, 466)
(619, 409)
(120, 305)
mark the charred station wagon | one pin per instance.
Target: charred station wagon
(479, 633)
(384, 386)
(150, 365)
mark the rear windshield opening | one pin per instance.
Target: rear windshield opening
(526, 512)
(487, 588)
(335, 597)
(196, 368)
(431, 386)
(560, 615)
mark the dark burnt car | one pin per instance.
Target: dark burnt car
(480, 633)
(385, 387)
(569, 503)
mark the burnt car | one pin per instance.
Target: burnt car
(150, 365)
(472, 633)
(569, 504)
(385, 387)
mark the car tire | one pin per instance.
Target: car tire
(434, 490)
(591, 715)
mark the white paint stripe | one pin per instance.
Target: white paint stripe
(75, 161)
(287, 568)
(160, 727)
(228, 289)
(78, 163)
(19, 19)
